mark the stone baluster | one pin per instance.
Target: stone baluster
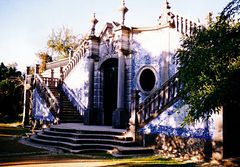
(182, 25)
(186, 27)
(177, 23)
(133, 121)
(191, 28)
(61, 74)
(52, 78)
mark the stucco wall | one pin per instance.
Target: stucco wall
(154, 50)
(77, 81)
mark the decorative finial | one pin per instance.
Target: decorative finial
(94, 21)
(166, 15)
(167, 5)
(123, 10)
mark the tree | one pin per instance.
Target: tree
(44, 58)
(63, 42)
(209, 65)
(11, 92)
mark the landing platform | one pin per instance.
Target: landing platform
(81, 126)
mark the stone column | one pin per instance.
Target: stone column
(121, 79)
(26, 99)
(120, 115)
(91, 82)
(90, 115)
(37, 69)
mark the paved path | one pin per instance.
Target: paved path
(65, 162)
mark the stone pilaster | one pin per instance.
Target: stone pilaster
(90, 115)
(120, 115)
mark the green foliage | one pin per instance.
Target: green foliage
(44, 58)
(209, 63)
(62, 42)
(11, 92)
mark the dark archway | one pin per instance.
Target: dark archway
(110, 77)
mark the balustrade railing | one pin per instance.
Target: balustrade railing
(73, 99)
(75, 58)
(183, 25)
(50, 82)
(157, 102)
(42, 84)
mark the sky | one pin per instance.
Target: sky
(25, 25)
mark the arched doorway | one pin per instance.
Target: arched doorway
(109, 69)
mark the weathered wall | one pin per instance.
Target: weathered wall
(194, 141)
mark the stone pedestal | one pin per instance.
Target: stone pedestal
(90, 117)
(120, 118)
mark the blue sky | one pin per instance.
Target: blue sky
(26, 24)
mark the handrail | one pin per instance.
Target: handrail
(47, 95)
(72, 98)
(75, 58)
(157, 102)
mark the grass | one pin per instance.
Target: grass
(11, 133)
(152, 161)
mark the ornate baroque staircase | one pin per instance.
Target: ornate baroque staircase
(56, 100)
(72, 136)
(78, 138)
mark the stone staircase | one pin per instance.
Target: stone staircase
(73, 137)
(80, 139)
(69, 114)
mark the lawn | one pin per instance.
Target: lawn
(10, 134)
(14, 153)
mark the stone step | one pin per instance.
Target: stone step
(78, 148)
(70, 114)
(88, 140)
(84, 136)
(67, 103)
(68, 108)
(82, 151)
(71, 146)
(76, 113)
(89, 131)
(71, 121)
